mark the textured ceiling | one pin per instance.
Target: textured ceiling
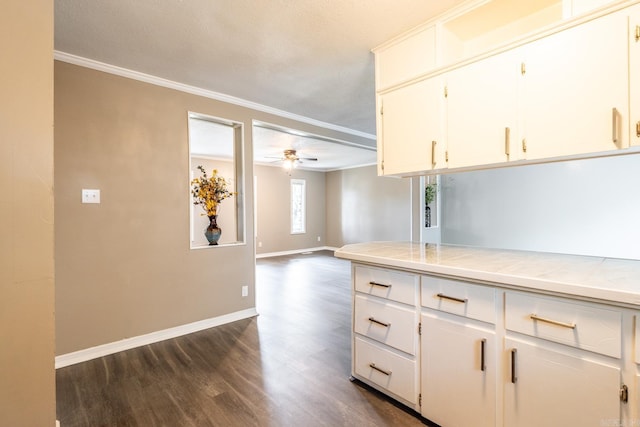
(307, 57)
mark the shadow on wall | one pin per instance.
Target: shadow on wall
(585, 207)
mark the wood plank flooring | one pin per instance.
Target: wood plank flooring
(289, 366)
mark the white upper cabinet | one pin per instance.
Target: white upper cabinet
(529, 81)
(402, 60)
(634, 69)
(411, 114)
(575, 90)
(482, 106)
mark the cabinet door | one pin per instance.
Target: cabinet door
(458, 381)
(482, 111)
(550, 388)
(575, 90)
(406, 59)
(411, 128)
(634, 68)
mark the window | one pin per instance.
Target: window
(298, 206)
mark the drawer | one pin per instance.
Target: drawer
(390, 284)
(389, 370)
(566, 322)
(386, 322)
(461, 298)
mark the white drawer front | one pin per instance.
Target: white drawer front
(389, 284)
(386, 322)
(464, 299)
(581, 326)
(393, 372)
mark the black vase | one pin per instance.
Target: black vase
(427, 216)
(213, 232)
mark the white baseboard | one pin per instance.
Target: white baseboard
(296, 251)
(129, 343)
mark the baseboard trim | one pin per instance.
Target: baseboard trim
(296, 251)
(129, 343)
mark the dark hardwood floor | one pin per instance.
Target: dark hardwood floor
(289, 366)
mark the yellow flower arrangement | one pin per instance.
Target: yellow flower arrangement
(209, 192)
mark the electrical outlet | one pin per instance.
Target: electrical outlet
(90, 196)
(259, 244)
(245, 291)
(318, 238)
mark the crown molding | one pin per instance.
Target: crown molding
(158, 81)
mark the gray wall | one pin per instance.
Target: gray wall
(362, 206)
(587, 207)
(27, 377)
(274, 215)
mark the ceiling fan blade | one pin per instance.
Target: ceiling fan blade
(312, 159)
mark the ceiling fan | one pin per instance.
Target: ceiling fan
(290, 159)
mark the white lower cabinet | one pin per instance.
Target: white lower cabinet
(458, 372)
(385, 331)
(559, 388)
(465, 354)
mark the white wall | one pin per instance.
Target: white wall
(586, 207)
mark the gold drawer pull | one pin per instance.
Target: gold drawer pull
(377, 322)
(514, 376)
(552, 322)
(382, 285)
(460, 300)
(382, 371)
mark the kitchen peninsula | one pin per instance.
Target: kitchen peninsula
(476, 336)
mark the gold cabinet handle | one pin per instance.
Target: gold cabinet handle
(377, 322)
(624, 393)
(507, 138)
(382, 371)
(615, 126)
(514, 377)
(382, 285)
(460, 300)
(638, 129)
(433, 153)
(637, 33)
(552, 322)
(483, 344)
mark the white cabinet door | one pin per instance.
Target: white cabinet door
(575, 90)
(634, 68)
(482, 111)
(410, 126)
(458, 373)
(549, 388)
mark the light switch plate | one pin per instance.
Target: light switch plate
(90, 196)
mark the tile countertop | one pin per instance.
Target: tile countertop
(602, 279)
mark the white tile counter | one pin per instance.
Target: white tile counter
(601, 279)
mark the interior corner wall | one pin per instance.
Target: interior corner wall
(27, 376)
(124, 267)
(362, 207)
(273, 210)
(585, 207)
